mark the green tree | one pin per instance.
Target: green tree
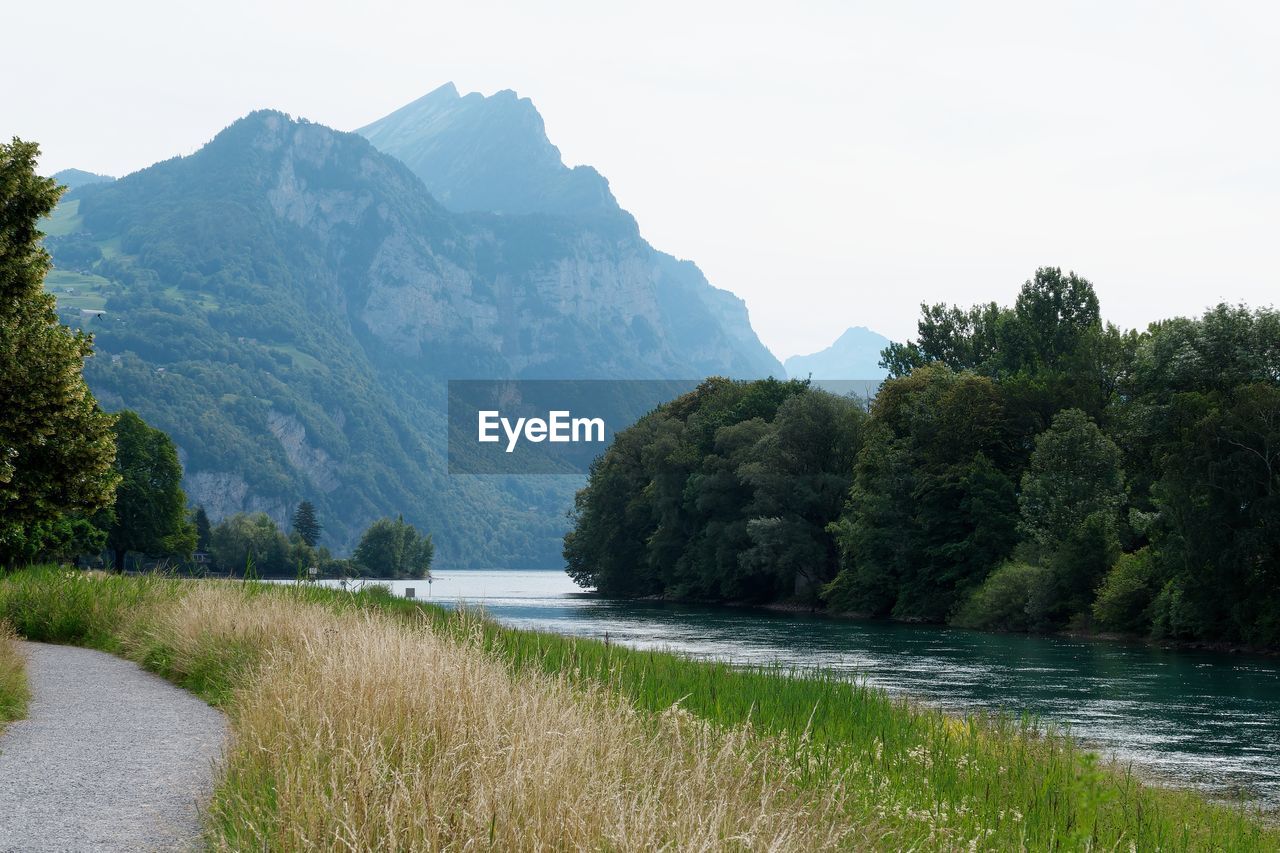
(252, 543)
(1217, 537)
(1125, 597)
(305, 523)
(1070, 502)
(932, 507)
(1073, 473)
(393, 548)
(799, 472)
(150, 513)
(204, 531)
(56, 444)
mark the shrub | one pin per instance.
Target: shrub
(1125, 597)
(1005, 600)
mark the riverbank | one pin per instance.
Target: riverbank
(794, 607)
(385, 722)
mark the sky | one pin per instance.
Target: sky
(833, 163)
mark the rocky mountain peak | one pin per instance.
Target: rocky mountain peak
(489, 153)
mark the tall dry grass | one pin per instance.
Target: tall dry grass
(13, 679)
(365, 722)
(358, 732)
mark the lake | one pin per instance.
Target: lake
(1207, 719)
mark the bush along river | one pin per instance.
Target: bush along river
(1183, 717)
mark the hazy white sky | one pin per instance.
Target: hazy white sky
(833, 163)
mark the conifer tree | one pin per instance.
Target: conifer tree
(305, 523)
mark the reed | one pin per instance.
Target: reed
(13, 681)
(368, 722)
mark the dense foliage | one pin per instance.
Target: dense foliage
(150, 512)
(253, 545)
(393, 548)
(1024, 468)
(724, 493)
(56, 446)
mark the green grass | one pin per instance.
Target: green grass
(110, 248)
(301, 360)
(13, 679)
(64, 220)
(88, 289)
(922, 775)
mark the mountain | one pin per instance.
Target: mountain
(854, 355)
(288, 302)
(491, 154)
(75, 178)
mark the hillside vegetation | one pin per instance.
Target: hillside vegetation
(288, 303)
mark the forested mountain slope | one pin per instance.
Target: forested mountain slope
(287, 303)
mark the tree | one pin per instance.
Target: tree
(392, 548)
(1070, 503)
(932, 507)
(1074, 473)
(150, 508)
(56, 444)
(1218, 533)
(800, 473)
(252, 543)
(305, 523)
(204, 530)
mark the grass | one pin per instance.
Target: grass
(64, 220)
(366, 721)
(13, 681)
(88, 289)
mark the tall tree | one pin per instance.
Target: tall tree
(204, 530)
(251, 543)
(1072, 493)
(150, 508)
(932, 508)
(305, 523)
(56, 445)
(393, 548)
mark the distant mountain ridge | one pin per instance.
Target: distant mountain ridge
(288, 301)
(853, 355)
(75, 178)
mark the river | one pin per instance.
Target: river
(1206, 719)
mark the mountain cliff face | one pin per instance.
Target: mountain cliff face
(853, 355)
(493, 155)
(288, 302)
(488, 154)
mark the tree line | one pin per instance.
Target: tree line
(1024, 467)
(75, 480)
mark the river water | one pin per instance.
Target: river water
(1206, 719)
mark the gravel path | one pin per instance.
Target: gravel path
(109, 758)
